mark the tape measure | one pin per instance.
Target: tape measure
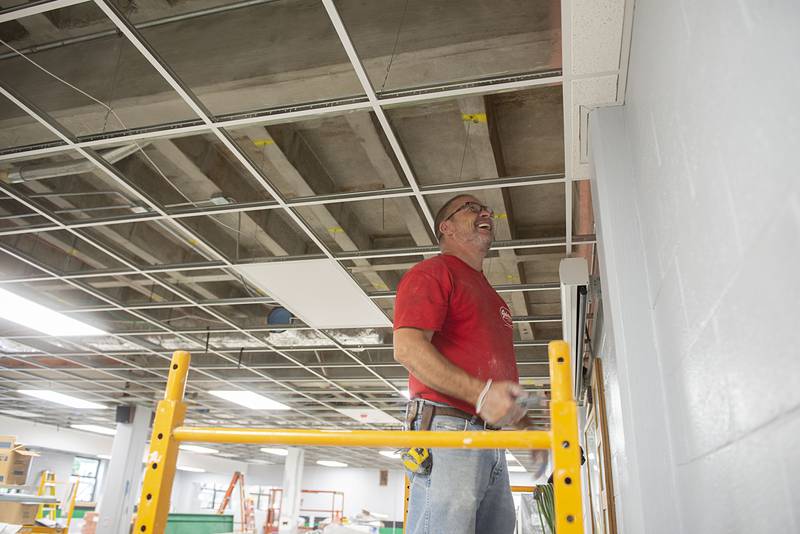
(418, 460)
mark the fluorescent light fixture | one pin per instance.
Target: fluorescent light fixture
(275, 451)
(331, 463)
(97, 429)
(390, 454)
(190, 469)
(320, 292)
(368, 415)
(27, 313)
(516, 469)
(198, 449)
(248, 399)
(258, 461)
(19, 413)
(406, 393)
(104, 456)
(60, 398)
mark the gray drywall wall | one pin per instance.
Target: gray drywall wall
(711, 128)
(642, 457)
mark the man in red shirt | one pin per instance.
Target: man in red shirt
(454, 334)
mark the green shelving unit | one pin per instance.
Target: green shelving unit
(199, 524)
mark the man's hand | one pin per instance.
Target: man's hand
(500, 406)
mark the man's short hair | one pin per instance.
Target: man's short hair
(443, 213)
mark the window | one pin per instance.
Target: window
(260, 496)
(211, 495)
(84, 472)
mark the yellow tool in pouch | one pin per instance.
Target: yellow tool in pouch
(418, 460)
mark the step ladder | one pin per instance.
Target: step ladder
(47, 487)
(246, 508)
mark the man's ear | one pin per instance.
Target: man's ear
(444, 226)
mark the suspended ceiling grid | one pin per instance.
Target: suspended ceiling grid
(147, 148)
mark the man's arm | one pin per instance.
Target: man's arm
(413, 349)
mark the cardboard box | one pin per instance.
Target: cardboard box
(15, 461)
(17, 513)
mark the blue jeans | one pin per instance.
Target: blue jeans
(466, 492)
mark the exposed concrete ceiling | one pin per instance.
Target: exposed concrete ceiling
(123, 207)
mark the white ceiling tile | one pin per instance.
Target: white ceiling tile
(319, 292)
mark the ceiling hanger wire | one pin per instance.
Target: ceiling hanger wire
(394, 48)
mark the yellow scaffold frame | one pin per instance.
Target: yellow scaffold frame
(561, 439)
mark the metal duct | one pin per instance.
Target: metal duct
(28, 174)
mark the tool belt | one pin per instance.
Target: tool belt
(427, 411)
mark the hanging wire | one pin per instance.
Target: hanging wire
(113, 82)
(394, 48)
(109, 110)
(71, 253)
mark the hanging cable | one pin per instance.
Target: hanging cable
(394, 48)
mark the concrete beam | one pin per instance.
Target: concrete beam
(346, 235)
(197, 184)
(489, 163)
(367, 133)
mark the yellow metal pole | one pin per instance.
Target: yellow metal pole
(71, 507)
(406, 496)
(162, 459)
(566, 448)
(480, 439)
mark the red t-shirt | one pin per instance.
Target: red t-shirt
(471, 323)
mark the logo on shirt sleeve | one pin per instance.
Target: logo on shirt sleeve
(505, 315)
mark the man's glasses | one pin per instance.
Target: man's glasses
(474, 207)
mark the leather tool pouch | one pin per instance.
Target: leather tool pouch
(411, 414)
(428, 411)
(422, 410)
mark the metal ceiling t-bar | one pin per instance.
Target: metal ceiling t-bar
(331, 198)
(210, 125)
(165, 71)
(361, 74)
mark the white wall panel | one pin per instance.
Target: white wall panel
(712, 121)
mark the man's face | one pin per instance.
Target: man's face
(469, 221)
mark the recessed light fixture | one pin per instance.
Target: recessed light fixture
(390, 454)
(368, 415)
(331, 463)
(190, 469)
(97, 429)
(20, 310)
(517, 469)
(275, 451)
(60, 398)
(198, 449)
(248, 399)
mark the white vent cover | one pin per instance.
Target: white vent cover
(319, 292)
